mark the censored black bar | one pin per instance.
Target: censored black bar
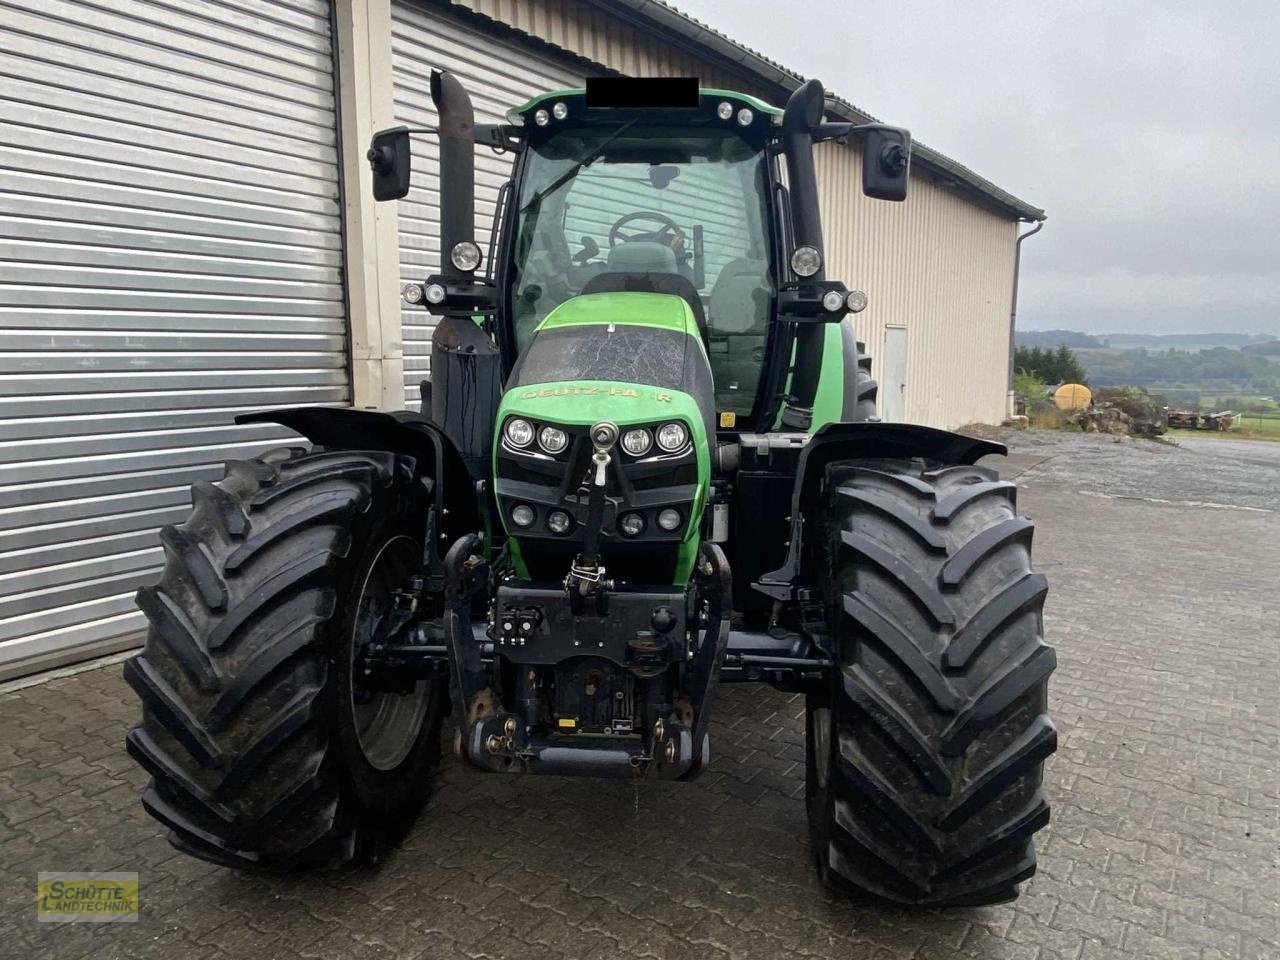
(654, 92)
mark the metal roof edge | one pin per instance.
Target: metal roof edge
(701, 35)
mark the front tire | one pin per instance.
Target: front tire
(924, 775)
(264, 750)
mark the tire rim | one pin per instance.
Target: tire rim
(822, 745)
(387, 726)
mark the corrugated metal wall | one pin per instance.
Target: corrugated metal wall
(939, 264)
(587, 31)
(169, 226)
(498, 75)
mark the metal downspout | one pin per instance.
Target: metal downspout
(1013, 305)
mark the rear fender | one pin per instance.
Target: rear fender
(454, 494)
(859, 441)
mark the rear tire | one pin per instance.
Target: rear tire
(260, 756)
(924, 776)
(865, 388)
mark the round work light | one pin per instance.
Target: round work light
(637, 442)
(806, 261)
(631, 524)
(669, 519)
(465, 256)
(672, 436)
(519, 433)
(552, 439)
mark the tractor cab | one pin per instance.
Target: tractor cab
(656, 187)
(679, 203)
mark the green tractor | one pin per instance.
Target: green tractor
(647, 464)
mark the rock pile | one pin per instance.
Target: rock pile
(1131, 414)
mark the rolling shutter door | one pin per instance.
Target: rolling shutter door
(171, 247)
(498, 74)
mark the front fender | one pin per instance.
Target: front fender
(867, 440)
(404, 432)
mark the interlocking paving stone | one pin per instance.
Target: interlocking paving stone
(1163, 841)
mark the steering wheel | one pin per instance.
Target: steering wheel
(666, 233)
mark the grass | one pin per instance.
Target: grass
(1248, 427)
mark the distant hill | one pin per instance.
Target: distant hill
(1269, 349)
(1134, 341)
(1165, 341)
(1055, 338)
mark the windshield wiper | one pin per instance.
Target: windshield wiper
(569, 174)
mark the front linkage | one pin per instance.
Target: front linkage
(646, 631)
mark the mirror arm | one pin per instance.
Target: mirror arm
(832, 131)
(500, 137)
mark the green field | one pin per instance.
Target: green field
(1267, 428)
(1248, 427)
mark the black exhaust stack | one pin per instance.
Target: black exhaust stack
(456, 130)
(800, 118)
(466, 370)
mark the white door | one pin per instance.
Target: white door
(893, 382)
(170, 255)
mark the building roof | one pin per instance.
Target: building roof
(668, 18)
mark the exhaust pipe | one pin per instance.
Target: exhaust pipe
(800, 118)
(456, 130)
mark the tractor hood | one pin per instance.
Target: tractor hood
(632, 339)
(634, 359)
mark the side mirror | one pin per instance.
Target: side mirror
(886, 162)
(390, 162)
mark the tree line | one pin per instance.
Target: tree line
(1051, 366)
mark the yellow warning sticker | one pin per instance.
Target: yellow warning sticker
(728, 420)
(568, 723)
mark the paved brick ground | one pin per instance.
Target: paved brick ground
(1163, 841)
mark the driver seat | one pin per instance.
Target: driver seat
(641, 256)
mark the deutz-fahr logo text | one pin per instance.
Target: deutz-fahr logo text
(584, 390)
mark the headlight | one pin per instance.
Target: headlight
(832, 300)
(724, 110)
(522, 515)
(637, 442)
(552, 439)
(435, 293)
(856, 301)
(559, 522)
(806, 261)
(745, 117)
(631, 524)
(519, 433)
(669, 519)
(560, 110)
(672, 436)
(541, 118)
(465, 255)
(411, 292)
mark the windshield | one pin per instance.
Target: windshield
(667, 209)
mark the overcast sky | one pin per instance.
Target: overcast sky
(1148, 130)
